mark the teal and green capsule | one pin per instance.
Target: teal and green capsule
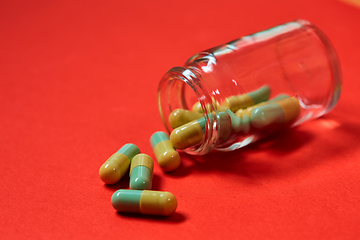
(144, 202)
(167, 157)
(118, 164)
(141, 172)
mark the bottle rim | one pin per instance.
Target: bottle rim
(172, 88)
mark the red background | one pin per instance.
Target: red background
(78, 80)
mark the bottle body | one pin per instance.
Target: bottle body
(294, 60)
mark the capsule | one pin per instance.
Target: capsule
(220, 107)
(248, 99)
(141, 172)
(118, 164)
(179, 117)
(282, 112)
(248, 110)
(240, 121)
(192, 133)
(223, 127)
(144, 202)
(167, 157)
(198, 108)
(189, 134)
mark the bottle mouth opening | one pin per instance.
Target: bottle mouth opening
(180, 88)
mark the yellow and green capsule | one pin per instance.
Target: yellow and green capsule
(189, 134)
(282, 112)
(118, 164)
(197, 107)
(240, 121)
(144, 202)
(248, 99)
(141, 172)
(192, 133)
(179, 117)
(167, 157)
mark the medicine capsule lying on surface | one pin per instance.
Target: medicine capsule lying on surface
(248, 99)
(118, 164)
(144, 202)
(141, 172)
(167, 157)
(281, 112)
(179, 117)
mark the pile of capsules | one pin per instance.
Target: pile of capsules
(140, 198)
(244, 113)
(247, 112)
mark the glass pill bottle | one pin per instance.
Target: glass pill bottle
(231, 95)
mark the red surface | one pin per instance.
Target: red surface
(78, 80)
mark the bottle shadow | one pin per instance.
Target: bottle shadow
(244, 160)
(279, 148)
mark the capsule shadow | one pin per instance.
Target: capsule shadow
(176, 217)
(122, 184)
(185, 167)
(156, 182)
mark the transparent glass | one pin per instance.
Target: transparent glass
(295, 59)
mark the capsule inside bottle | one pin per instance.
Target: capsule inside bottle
(295, 59)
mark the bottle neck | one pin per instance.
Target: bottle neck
(180, 88)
